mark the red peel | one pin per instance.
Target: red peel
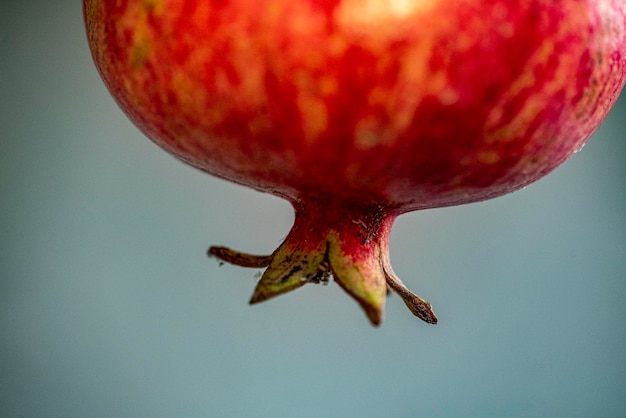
(357, 111)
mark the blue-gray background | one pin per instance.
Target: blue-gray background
(110, 308)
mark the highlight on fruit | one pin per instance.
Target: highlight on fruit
(358, 111)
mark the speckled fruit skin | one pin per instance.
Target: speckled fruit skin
(359, 110)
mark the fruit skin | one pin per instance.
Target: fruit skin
(362, 109)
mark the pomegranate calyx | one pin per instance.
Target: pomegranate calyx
(322, 243)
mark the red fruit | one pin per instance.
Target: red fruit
(357, 111)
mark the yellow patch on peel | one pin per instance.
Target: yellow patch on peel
(137, 14)
(337, 45)
(191, 97)
(311, 102)
(153, 5)
(377, 96)
(488, 157)
(139, 53)
(328, 85)
(366, 139)
(365, 13)
(314, 115)
(366, 134)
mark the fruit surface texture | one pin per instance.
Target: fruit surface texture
(357, 111)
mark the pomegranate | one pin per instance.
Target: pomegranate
(357, 111)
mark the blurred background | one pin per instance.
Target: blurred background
(109, 306)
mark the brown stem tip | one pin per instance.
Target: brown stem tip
(239, 259)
